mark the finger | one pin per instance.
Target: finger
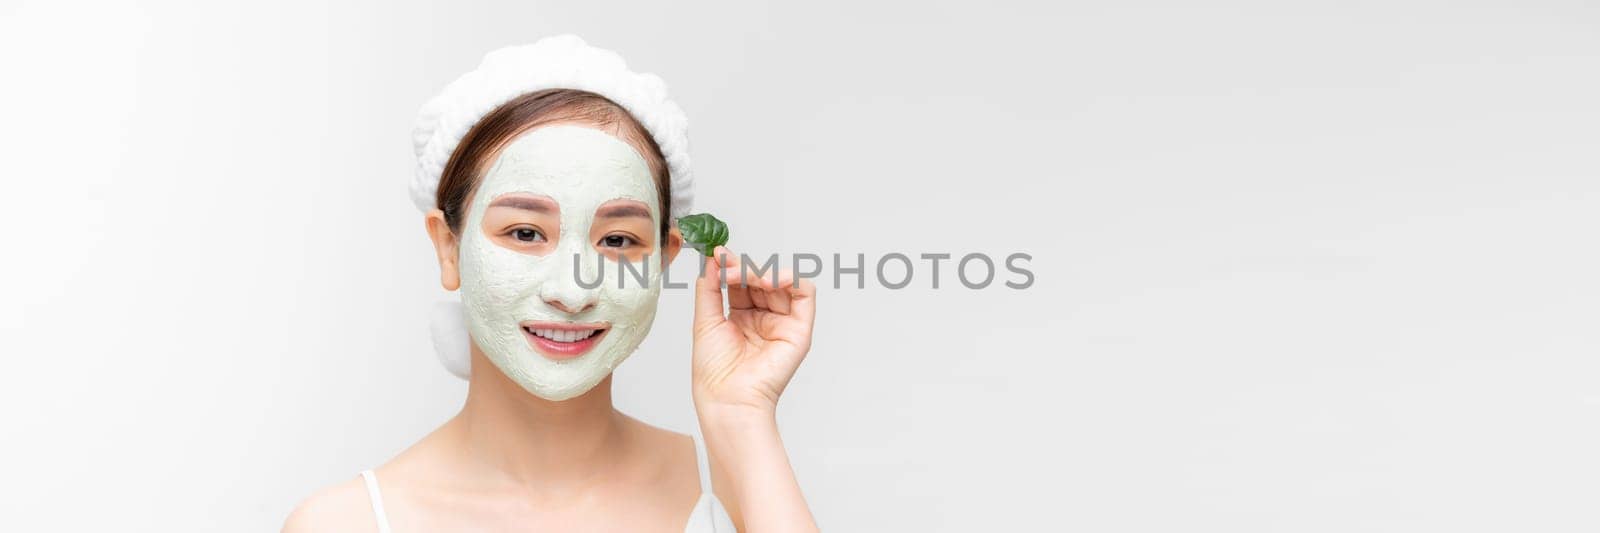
(767, 289)
(779, 302)
(739, 297)
(772, 280)
(738, 294)
(803, 303)
(775, 279)
(760, 299)
(708, 294)
(771, 292)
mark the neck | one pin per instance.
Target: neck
(531, 441)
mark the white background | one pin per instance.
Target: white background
(1312, 268)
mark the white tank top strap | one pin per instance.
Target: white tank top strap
(708, 515)
(377, 500)
(703, 462)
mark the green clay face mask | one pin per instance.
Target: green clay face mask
(531, 314)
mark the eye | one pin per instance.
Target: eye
(617, 241)
(527, 235)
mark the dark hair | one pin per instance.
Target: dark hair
(476, 151)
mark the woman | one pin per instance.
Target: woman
(540, 173)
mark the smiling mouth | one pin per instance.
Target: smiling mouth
(562, 340)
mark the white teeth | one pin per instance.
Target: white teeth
(564, 335)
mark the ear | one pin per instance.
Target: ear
(671, 246)
(445, 246)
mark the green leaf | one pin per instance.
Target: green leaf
(703, 232)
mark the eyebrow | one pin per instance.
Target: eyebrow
(540, 205)
(622, 211)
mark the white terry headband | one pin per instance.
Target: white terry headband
(559, 62)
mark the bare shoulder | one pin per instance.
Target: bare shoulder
(673, 444)
(672, 455)
(341, 507)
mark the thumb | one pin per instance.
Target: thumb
(708, 290)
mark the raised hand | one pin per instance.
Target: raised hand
(745, 357)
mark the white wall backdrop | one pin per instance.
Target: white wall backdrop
(1322, 267)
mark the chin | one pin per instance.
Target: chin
(557, 380)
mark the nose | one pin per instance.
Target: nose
(571, 308)
(567, 291)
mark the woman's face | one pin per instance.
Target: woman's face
(541, 246)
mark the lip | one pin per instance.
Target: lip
(563, 350)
